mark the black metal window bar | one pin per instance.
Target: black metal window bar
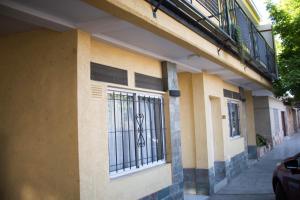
(136, 130)
(234, 118)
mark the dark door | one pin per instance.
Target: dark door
(283, 122)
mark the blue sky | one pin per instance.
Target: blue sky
(261, 6)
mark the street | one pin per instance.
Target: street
(255, 183)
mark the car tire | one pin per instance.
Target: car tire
(279, 192)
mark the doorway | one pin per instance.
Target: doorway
(283, 123)
(295, 120)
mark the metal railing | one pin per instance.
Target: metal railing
(211, 5)
(235, 22)
(253, 42)
(234, 32)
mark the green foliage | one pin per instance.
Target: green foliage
(260, 140)
(286, 24)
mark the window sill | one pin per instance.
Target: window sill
(126, 172)
(236, 137)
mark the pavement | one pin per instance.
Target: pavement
(255, 183)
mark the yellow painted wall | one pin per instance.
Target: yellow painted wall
(214, 87)
(200, 122)
(107, 54)
(95, 181)
(140, 13)
(251, 134)
(187, 120)
(54, 140)
(217, 129)
(49, 115)
(200, 93)
(38, 129)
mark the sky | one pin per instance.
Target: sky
(261, 6)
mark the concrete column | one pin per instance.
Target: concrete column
(200, 121)
(204, 172)
(251, 134)
(174, 138)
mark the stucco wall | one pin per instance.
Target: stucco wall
(290, 120)
(187, 120)
(298, 118)
(38, 129)
(262, 117)
(216, 129)
(202, 120)
(251, 134)
(54, 141)
(95, 181)
(276, 106)
(266, 124)
(140, 13)
(214, 87)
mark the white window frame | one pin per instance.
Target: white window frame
(230, 101)
(134, 169)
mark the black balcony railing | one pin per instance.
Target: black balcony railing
(235, 31)
(211, 5)
(253, 42)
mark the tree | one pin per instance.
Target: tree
(286, 24)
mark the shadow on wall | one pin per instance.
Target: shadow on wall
(38, 116)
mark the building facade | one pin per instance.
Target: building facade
(131, 99)
(273, 119)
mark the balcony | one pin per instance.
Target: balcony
(226, 24)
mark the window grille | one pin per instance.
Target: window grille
(234, 118)
(136, 130)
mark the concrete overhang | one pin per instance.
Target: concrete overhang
(124, 30)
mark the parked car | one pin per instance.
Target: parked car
(286, 179)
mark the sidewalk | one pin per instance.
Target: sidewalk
(255, 183)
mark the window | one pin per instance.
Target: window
(136, 130)
(234, 118)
